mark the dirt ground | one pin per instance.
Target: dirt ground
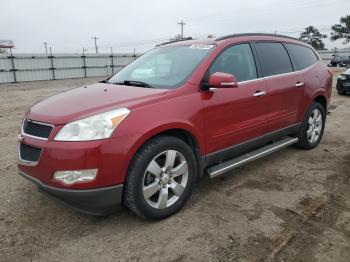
(293, 205)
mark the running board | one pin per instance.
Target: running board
(224, 167)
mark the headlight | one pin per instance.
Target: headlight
(94, 127)
(342, 77)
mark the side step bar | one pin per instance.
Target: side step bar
(224, 167)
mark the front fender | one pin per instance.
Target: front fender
(183, 112)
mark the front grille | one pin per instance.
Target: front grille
(29, 153)
(36, 129)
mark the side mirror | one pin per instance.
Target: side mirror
(222, 80)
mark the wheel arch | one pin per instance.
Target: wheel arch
(320, 98)
(181, 132)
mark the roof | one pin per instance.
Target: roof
(6, 44)
(189, 41)
(253, 34)
(175, 41)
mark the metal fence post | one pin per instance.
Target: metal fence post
(134, 55)
(84, 62)
(52, 68)
(112, 65)
(13, 66)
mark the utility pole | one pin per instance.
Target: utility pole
(45, 43)
(96, 48)
(182, 24)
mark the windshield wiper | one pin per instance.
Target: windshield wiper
(137, 83)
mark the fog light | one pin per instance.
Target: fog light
(74, 176)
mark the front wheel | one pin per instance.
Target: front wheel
(312, 128)
(160, 178)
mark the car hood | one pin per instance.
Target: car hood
(347, 72)
(89, 100)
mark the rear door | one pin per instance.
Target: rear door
(304, 59)
(235, 115)
(285, 87)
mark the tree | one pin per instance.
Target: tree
(179, 38)
(342, 30)
(313, 37)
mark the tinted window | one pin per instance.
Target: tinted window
(237, 60)
(302, 57)
(274, 59)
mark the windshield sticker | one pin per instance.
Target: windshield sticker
(201, 46)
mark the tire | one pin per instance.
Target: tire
(153, 172)
(311, 130)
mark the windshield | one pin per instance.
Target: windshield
(163, 67)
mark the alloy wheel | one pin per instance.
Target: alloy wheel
(165, 179)
(315, 126)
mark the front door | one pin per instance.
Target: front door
(235, 115)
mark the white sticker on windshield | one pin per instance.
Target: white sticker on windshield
(201, 46)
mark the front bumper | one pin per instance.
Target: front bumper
(99, 201)
(343, 85)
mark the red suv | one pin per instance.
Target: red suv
(181, 111)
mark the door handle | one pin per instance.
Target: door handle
(299, 84)
(259, 93)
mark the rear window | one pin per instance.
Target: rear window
(274, 59)
(302, 57)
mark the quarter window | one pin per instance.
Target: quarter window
(302, 57)
(274, 59)
(237, 60)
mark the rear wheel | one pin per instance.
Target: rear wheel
(160, 178)
(312, 128)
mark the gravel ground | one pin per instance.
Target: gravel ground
(290, 206)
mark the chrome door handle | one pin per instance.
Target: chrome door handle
(299, 84)
(258, 93)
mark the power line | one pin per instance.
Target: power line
(270, 11)
(290, 30)
(141, 42)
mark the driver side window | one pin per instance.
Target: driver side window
(237, 60)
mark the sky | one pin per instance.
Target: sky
(68, 26)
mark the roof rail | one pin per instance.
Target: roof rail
(175, 41)
(253, 34)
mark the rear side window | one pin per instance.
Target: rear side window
(274, 59)
(237, 60)
(302, 57)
